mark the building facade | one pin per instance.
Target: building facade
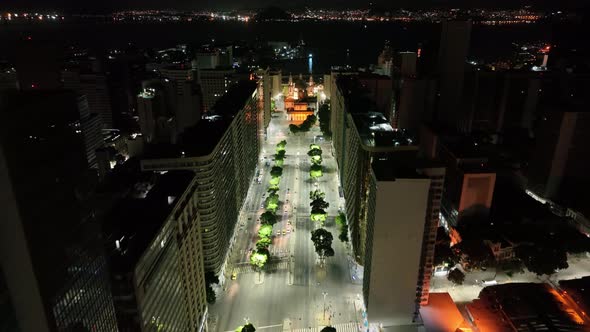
(223, 176)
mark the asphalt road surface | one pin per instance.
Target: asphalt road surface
(289, 294)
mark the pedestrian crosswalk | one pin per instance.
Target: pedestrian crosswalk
(344, 327)
(347, 327)
(270, 266)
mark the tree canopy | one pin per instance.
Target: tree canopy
(319, 204)
(276, 171)
(268, 218)
(263, 243)
(265, 231)
(456, 276)
(259, 258)
(316, 194)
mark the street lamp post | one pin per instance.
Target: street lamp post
(324, 294)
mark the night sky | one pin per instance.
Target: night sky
(109, 5)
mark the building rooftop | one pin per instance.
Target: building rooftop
(375, 130)
(201, 139)
(135, 220)
(441, 314)
(373, 127)
(579, 291)
(526, 306)
(401, 164)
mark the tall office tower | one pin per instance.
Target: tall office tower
(51, 250)
(188, 106)
(155, 105)
(401, 232)
(558, 169)
(8, 80)
(123, 72)
(94, 87)
(405, 64)
(214, 83)
(452, 54)
(187, 99)
(223, 151)
(154, 240)
(469, 182)
(277, 82)
(413, 95)
(91, 126)
(379, 90)
(266, 94)
(207, 58)
(146, 105)
(226, 56)
(377, 163)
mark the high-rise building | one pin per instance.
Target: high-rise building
(8, 80)
(559, 162)
(214, 84)
(91, 126)
(94, 87)
(402, 217)
(378, 163)
(154, 240)
(51, 250)
(223, 151)
(452, 56)
(155, 106)
(187, 99)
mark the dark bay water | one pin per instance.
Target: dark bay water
(328, 41)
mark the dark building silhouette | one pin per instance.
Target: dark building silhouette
(51, 249)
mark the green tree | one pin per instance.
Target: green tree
(280, 154)
(272, 190)
(211, 278)
(268, 218)
(316, 194)
(478, 253)
(274, 181)
(314, 147)
(444, 254)
(272, 202)
(318, 215)
(316, 160)
(248, 328)
(281, 145)
(322, 241)
(259, 258)
(276, 171)
(265, 231)
(210, 294)
(314, 152)
(315, 171)
(319, 204)
(542, 260)
(343, 236)
(456, 276)
(263, 243)
(343, 226)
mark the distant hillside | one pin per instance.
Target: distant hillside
(272, 13)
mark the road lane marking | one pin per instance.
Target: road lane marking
(261, 327)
